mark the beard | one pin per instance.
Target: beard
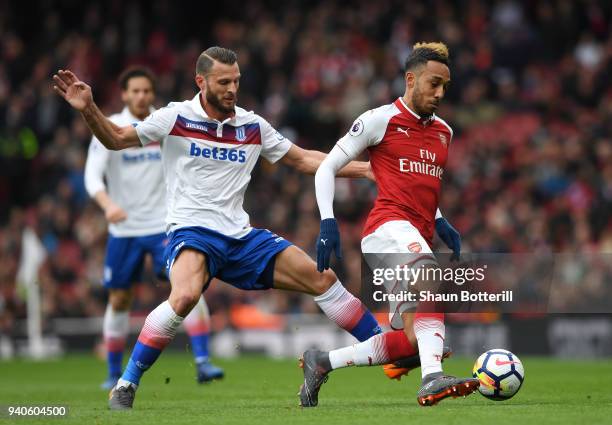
(216, 103)
(418, 103)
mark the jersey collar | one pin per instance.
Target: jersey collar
(240, 117)
(404, 108)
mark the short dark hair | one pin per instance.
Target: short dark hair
(208, 57)
(133, 72)
(424, 52)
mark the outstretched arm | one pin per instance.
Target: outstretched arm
(366, 131)
(79, 96)
(308, 161)
(329, 235)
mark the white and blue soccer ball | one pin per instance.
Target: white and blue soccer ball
(501, 374)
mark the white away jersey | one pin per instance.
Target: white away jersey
(208, 163)
(134, 181)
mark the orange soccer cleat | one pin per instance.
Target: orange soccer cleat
(402, 367)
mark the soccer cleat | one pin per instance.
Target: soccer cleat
(110, 383)
(207, 372)
(401, 367)
(316, 369)
(445, 386)
(121, 398)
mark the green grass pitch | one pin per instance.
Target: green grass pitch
(263, 391)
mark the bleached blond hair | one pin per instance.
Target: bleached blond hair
(422, 52)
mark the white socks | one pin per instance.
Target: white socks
(430, 336)
(116, 324)
(368, 353)
(160, 326)
(340, 306)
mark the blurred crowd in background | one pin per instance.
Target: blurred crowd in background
(530, 103)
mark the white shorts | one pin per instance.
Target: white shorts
(397, 237)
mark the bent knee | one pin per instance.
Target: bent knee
(182, 302)
(324, 281)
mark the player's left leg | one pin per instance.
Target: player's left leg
(294, 270)
(378, 350)
(115, 330)
(122, 266)
(197, 325)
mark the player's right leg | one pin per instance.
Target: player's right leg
(122, 265)
(197, 322)
(436, 386)
(400, 367)
(189, 272)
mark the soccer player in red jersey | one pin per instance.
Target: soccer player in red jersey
(408, 147)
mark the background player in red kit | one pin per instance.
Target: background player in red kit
(408, 146)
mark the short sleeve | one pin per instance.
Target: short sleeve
(157, 125)
(367, 130)
(273, 144)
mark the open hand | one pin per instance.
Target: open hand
(74, 91)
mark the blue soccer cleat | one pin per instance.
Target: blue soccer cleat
(207, 372)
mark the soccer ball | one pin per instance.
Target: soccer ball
(500, 372)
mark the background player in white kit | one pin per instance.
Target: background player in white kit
(129, 187)
(408, 147)
(209, 149)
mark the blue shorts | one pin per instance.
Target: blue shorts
(125, 258)
(241, 262)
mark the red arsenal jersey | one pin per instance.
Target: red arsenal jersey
(408, 156)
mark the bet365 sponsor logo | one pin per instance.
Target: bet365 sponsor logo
(218, 154)
(130, 158)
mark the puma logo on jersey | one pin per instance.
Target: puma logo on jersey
(403, 130)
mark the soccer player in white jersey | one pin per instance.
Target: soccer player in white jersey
(408, 148)
(129, 187)
(209, 148)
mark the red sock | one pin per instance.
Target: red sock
(398, 346)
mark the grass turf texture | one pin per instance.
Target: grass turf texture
(262, 391)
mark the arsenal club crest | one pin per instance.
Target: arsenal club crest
(443, 139)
